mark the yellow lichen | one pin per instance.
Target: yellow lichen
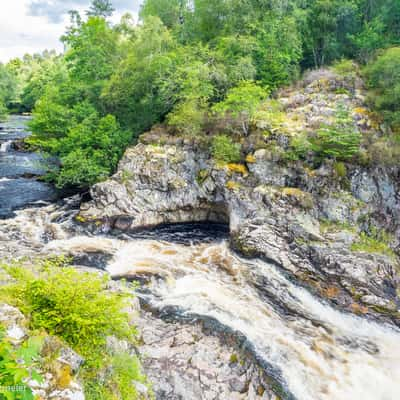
(250, 159)
(64, 376)
(238, 168)
(231, 185)
(331, 292)
(310, 172)
(303, 199)
(361, 110)
(80, 219)
(358, 309)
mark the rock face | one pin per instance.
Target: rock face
(184, 362)
(308, 222)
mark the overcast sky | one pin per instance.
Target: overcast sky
(29, 26)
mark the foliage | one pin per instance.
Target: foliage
(197, 66)
(241, 104)
(187, 118)
(383, 76)
(16, 365)
(374, 242)
(100, 8)
(223, 149)
(72, 305)
(340, 141)
(78, 308)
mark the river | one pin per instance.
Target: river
(19, 171)
(313, 350)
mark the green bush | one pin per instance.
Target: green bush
(72, 305)
(187, 117)
(383, 77)
(78, 308)
(346, 68)
(241, 104)
(340, 140)
(223, 149)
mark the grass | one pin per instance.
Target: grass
(372, 245)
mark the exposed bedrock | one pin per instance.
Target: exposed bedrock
(308, 222)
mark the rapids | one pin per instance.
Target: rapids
(315, 351)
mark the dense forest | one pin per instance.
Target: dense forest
(198, 67)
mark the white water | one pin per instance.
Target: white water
(5, 146)
(323, 354)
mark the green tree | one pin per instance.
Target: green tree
(340, 140)
(101, 8)
(241, 104)
(383, 76)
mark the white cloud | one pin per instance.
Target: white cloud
(21, 32)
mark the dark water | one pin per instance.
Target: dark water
(19, 172)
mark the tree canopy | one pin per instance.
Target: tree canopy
(188, 64)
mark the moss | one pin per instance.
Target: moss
(126, 176)
(233, 358)
(374, 244)
(329, 226)
(340, 169)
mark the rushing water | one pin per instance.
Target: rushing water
(18, 169)
(315, 351)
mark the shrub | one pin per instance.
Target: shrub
(72, 305)
(187, 117)
(78, 308)
(383, 78)
(223, 149)
(340, 140)
(300, 147)
(241, 104)
(346, 68)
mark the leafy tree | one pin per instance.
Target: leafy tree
(241, 103)
(91, 56)
(170, 12)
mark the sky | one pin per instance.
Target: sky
(31, 26)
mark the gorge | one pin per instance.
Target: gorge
(249, 277)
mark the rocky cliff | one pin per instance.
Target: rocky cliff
(334, 230)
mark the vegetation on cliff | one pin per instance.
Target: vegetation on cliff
(197, 67)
